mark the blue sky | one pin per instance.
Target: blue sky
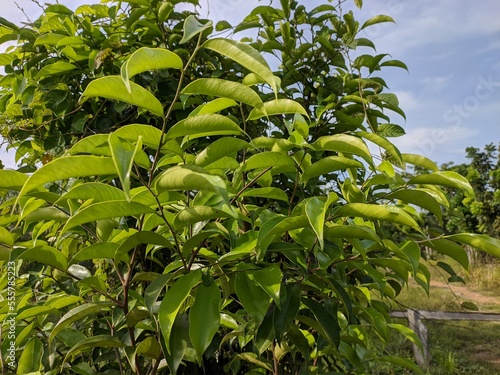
(451, 95)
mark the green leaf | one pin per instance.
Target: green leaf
(277, 107)
(378, 212)
(149, 347)
(42, 254)
(96, 191)
(421, 161)
(172, 302)
(49, 39)
(482, 242)
(99, 341)
(390, 130)
(419, 198)
(244, 55)
(269, 279)
(192, 28)
(138, 238)
(179, 340)
(59, 67)
(395, 63)
(278, 226)
(399, 361)
(327, 165)
(151, 136)
(153, 291)
(195, 214)
(377, 19)
(204, 317)
(350, 231)
(190, 178)
(286, 313)
(344, 143)
(448, 178)
(316, 209)
(408, 333)
(76, 314)
(100, 250)
(268, 159)
(450, 248)
(213, 106)
(123, 154)
(6, 237)
(254, 299)
(12, 180)
(220, 148)
(69, 167)
(267, 192)
(105, 210)
(145, 59)
(113, 87)
(204, 126)
(225, 89)
(328, 322)
(469, 306)
(382, 142)
(31, 357)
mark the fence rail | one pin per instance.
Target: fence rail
(415, 318)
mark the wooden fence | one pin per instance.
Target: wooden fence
(415, 318)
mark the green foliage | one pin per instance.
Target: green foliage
(204, 211)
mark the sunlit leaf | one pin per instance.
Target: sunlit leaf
(448, 178)
(192, 28)
(277, 107)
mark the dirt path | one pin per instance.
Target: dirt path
(462, 292)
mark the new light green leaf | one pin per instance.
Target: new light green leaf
(12, 180)
(482, 242)
(192, 28)
(450, 248)
(421, 161)
(278, 226)
(204, 126)
(106, 210)
(43, 254)
(123, 154)
(377, 19)
(327, 165)
(6, 237)
(225, 89)
(99, 341)
(269, 279)
(400, 361)
(268, 159)
(31, 357)
(113, 87)
(220, 148)
(76, 314)
(150, 135)
(316, 209)
(344, 143)
(419, 198)
(204, 317)
(31, 312)
(277, 107)
(59, 67)
(245, 55)
(145, 59)
(378, 212)
(69, 167)
(172, 302)
(408, 333)
(138, 238)
(190, 178)
(382, 142)
(149, 347)
(213, 106)
(448, 178)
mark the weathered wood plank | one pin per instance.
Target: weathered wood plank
(449, 315)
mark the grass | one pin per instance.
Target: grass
(464, 347)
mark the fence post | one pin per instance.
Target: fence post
(416, 324)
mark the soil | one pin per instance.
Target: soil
(465, 294)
